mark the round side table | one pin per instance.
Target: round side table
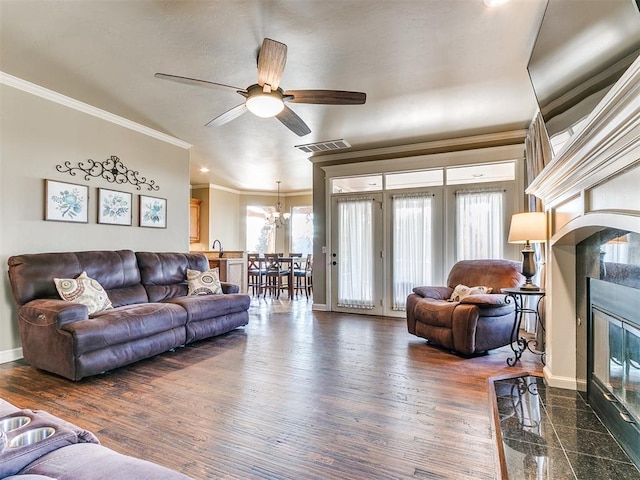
(520, 344)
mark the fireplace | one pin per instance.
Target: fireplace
(589, 189)
(613, 370)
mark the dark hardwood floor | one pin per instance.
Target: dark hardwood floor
(294, 395)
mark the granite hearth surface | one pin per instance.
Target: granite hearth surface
(551, 433)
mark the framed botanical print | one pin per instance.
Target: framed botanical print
(66, 202)
(114, 207)
(153, 212)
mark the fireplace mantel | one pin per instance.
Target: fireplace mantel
(592, 184)
(608, 144)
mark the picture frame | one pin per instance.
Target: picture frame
(153, 212)
(66, 202)
(114, 207)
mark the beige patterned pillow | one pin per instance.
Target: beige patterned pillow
(462, 291)
(204, 283)
(84, 290)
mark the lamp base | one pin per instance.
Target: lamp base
(528, 268)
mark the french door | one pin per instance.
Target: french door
(356, 259)
(415, 244)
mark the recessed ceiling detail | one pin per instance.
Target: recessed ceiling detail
(323, 146)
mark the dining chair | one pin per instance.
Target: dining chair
(296, 260)
(304, 276)
(277, 274)
(256, 274)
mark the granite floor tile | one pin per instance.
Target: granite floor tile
(587, 467)
(551, 433)
(551, 466)
(541, 434)
(597, 444)
(569, 401)
(571, 417)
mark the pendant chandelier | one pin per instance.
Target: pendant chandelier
(277, 218)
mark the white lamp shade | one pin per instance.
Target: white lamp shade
(528, 227)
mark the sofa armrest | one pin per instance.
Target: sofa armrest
(486, 300)
(44, 312)
(229, 287)
(437, 293)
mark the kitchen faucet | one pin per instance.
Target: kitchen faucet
(221, 250)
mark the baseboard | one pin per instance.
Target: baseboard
(320, 307)
(567, 383)
(10, 355)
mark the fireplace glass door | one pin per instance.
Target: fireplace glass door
(616, 360)
(613, 386)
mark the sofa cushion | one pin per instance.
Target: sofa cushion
(203, 307)
(117, 271)
(204, 283)
(95, 462)
(164, 275)
(124, 324)
(496, 274)
(83, 290)
(435, 312)
(440, 293)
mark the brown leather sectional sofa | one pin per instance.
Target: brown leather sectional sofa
(35, 445)
(152, 312)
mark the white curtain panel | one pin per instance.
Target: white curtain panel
(355, 252)
(479, 224)
(412, 245)
(538, 153)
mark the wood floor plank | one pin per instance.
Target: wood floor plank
(294, 395)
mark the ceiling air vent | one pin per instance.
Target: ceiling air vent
(323, 146)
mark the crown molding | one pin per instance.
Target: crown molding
(475, 141)
(213, 186)
(52, 96)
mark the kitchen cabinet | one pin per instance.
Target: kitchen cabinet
(194, 220)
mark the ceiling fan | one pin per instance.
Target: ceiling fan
(266, 98)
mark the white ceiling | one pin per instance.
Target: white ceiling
(432, 69)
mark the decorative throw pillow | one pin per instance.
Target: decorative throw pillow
(84, 290)
(462, 291)
(204, 283)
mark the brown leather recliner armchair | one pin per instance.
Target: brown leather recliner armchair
(475, 324)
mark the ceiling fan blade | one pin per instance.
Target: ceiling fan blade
(327, 97)
(196, 82)
(271, 61)
(293, 122)
(227, 116)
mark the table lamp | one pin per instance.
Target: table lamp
(527, 228)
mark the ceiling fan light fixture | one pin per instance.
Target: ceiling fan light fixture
(495, 3)
(265, 105)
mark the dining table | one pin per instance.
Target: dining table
(290, 262)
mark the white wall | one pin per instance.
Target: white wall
(36, 134)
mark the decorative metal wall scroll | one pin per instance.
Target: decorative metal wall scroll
(112, 170)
